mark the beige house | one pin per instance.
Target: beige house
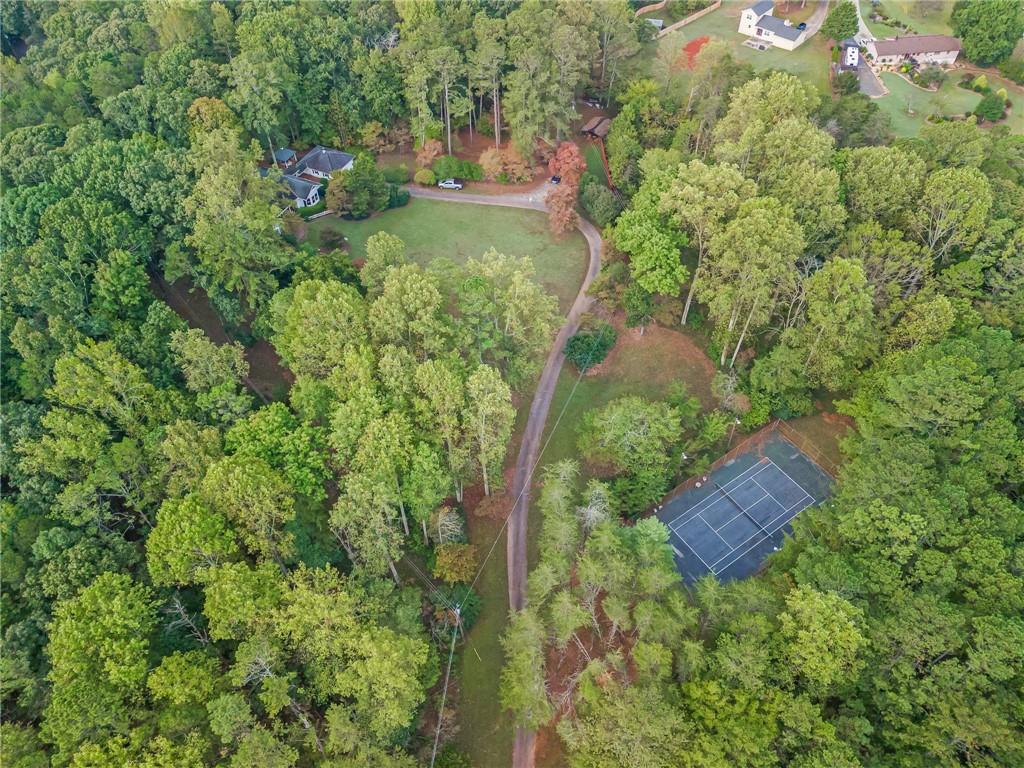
(758, 23)
(940, 50)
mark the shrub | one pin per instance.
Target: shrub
(455, 562)
(589, 347)
(759, 414)
(1013, 68)
(397, 174)
(847, 83)
(980, 83)
(931, 76)
(450, 167)
(313, 210)
(992, 107)
(600, 203)
(425, 177)
(397, 197)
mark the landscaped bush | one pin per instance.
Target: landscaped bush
(313, 210)
(991, 108)
(589, 347)
(425, 177)
(397, 197)
(450, 167)
(1013, 69)
(930, 76)
(397, 174)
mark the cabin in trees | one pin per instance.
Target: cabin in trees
(759, 23)
(940, 50)
(305, 177)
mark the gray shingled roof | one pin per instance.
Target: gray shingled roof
(762, 7)
(324, 160)
(300, 187)
(779, 27)
(284, 154)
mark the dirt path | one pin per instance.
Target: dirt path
(530, 448)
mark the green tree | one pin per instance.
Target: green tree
(98, 648)
(822, 638)
(841, 22)
(753, 262)
(953, 211)
(489, 417)
(383, 251)
(989, 30)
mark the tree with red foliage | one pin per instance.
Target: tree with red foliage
(561, 202)
(568, 163)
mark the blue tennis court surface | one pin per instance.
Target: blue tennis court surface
(740, 512)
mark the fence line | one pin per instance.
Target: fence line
(690, 19)
(651, 7)
(805, 445)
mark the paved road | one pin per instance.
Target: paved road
(817, 19)
(530, 448)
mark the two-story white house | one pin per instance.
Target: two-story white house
(759, 23)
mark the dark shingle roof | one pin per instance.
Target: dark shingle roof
(779, 27)
(300, 187)
(762, 7)
(908, 46)
(284, 154)
(324, 160)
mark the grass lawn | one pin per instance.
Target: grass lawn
(950, 99)
(809, 62)
(924, 17)
(433, 229)
(592, 155)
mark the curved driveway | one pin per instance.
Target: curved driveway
(529, 449)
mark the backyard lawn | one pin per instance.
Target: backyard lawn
(908, 105)
(809, 62)
(434, 229)
(924, 17)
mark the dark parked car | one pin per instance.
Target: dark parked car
(802, 26)
(556, 179)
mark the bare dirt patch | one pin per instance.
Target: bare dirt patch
(688, 53)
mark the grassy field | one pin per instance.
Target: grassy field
(433, 229)
(908, 105)
(925, 17)
(809, 62)
(592, 155)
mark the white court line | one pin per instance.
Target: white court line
(707, 499)
(794, 482)
(695, 552)
(721, 568)
(763, 532)
(745, 510)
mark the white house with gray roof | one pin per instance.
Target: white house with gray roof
(759, 23)
(305, 177)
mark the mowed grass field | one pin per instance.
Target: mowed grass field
(434, 229)
(925, 17)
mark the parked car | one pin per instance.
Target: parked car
(449, 184)
(556, 179)
(802, 26)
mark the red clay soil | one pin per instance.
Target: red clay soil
(688, 54)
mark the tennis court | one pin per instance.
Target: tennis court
(728, 521)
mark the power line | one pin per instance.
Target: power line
(529, 475)
(444, 691)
